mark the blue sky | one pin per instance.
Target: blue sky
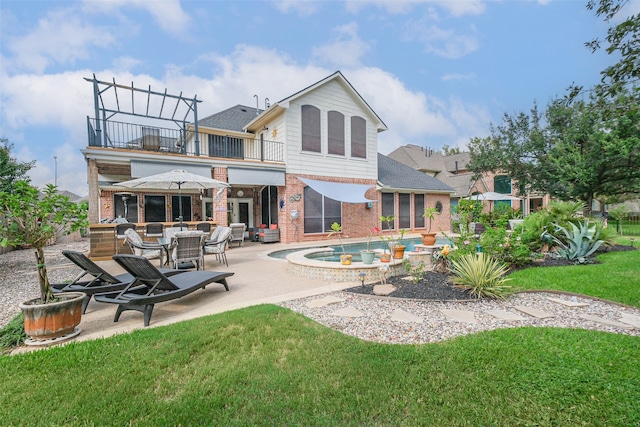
(436, 72)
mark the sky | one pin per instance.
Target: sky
(436, 72)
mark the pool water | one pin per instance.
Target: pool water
(351, 248)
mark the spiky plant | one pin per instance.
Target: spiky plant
(481, 275)
(580, 241)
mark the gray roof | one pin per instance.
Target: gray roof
(424, 159)
(233, 119)
(396, 175)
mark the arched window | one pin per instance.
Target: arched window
(311, 129)
(358, 137)
(335, 120)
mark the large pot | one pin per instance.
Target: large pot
(428, 239)
(54, 320)
(398, 251)
(367, 256)
(345, 259)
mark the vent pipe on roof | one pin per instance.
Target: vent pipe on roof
(257, 105)
(456, 167)
(266, 104)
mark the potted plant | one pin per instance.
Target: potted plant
(429, 238)
(30, 220)
(395, 243)
(345, 258)
(368, 255)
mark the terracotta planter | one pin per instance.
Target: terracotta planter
(345, 259)
(398, 251)
(428, 239)
(54, 320)
(367, 256)
(385, 258)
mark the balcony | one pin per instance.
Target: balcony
(138, 137)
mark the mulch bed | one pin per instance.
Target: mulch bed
(436, 286)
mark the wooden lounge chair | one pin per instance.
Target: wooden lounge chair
(150, 286)
(102, 281)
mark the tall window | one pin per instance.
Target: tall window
(404, 217)
(126, 206)
(320, 212)
(186, 208)
(358, 137)
(502, 184)
(418, 203)
(155, 209)
(311, 129)
(388, 208)
(269, 196)
(226, 146)
(335, 121)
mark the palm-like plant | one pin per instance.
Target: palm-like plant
(482, 275)
(28, 219)
(580, 241)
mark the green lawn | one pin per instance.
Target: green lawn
(267, 365)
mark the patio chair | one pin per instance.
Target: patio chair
(204, 226)
(119, 233)
(102, 281)
(219, 246)
(237, 233)
(150, 286)
(141, 248)
(183, 226)
(154, 229)
(187, 248)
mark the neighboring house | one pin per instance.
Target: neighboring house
(304, 162)
(453, 171)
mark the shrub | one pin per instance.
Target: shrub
(578, 242)
(482, 275)
(12, 334)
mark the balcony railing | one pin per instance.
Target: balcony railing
(130, 136)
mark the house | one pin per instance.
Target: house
(300, 164)
(453, 171)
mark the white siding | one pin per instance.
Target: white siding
(331, 96)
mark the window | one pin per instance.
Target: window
(226, 146)
(269, 197)
(388, 208)
(358, 137)
(311, 129)
(155, 209)
(404, 217)
(502, 184)
(335, 120)
(418, 219)
(320, 212)
(186, 208)
(126, 206)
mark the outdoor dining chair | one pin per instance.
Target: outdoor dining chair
(142, 248)
(154, 229)
(187, 247)
(219, 246)
(119, 233)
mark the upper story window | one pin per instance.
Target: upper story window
(335, 122)
(502, 184)
(358, 137)
(311, 129)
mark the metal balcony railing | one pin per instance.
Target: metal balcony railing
(130, 136)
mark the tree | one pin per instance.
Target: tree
(449, 151)
(575, 152)
(10, 169)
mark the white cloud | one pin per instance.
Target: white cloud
(62, 37)
(66, 99)
(458, 77)
(439, 41)
(300, 7)
(346, 49)
(453, 7)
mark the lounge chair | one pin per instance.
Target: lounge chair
(150, 286)
(102, 281)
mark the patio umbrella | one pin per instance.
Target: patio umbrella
(178, 178)
(492, 196)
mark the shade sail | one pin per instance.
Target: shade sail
(245, 176)
(493, 196)
(342, 192)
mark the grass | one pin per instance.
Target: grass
(266, 365)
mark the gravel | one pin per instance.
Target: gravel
(19, 278)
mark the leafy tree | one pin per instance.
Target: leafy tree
(10, 169)
(574, 152)
(449, 151)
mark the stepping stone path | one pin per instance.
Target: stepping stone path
(605, 321)
(464, 316)
(348, 312)
(505, 315)
(568, 303)
(383, 290)
(630, 319)
(533, 312)
(403, 316)
(329, 299)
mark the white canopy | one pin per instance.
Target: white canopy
(492, 195)
(342, 192)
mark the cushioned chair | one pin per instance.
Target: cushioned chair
(154, 229)
(150, 286)
(269, 235)
(186, 247)
(119, 234)
(204, 226)
(142, 248)
(237, 233)
(219, 246)
(102, 281)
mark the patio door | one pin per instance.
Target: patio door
(241, 210)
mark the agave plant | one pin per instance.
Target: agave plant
(482, 275)
(578, 242)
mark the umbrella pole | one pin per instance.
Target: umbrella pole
(180, 204)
